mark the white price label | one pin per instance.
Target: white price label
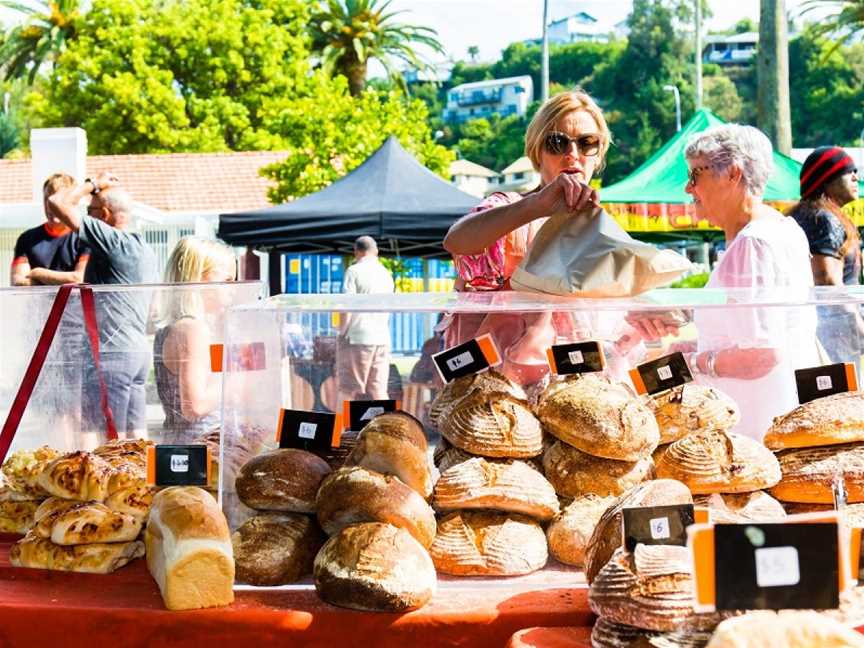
(371, 413)
(665, 373)
(823, 383)
(307, 430)
(659, 528)
(575, 357)
(464, 358)
(179, 463)
(777, 566)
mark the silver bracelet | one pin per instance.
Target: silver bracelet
(711, 363)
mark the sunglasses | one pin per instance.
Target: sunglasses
(693, 174)
(559, 143)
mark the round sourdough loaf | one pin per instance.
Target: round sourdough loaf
(788, 628)
(486, 543)
(482, 484)
(353, 494)
(838, 418)
(607, 534)
(719, 462)
(692, 408)
(281, 480)
(574, 473)
(570, 531)
(453, 391)
(275, 548)
(602, 417)
(741, 507)
(809, 472)
(446, 456)
(493, 424)
(375, 567)
(608, 634)
(395, 444)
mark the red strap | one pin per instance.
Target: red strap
(89, 307)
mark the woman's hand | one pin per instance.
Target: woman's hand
(651, 326)
(566, 192)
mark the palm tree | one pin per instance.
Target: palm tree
(773, 113)
(846, 20)
(348, 33)
(473, 53)
(41, 38)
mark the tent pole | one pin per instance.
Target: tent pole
(274, 273)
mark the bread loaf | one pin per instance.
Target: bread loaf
(808, 473)
(608, 634)
(189, 549)
(486, 543)
(446, 456)
(80, 476)
(574, 473)
(88, 523)
(838, 418)
(602, 417)
(692, 408)
(452, 392)
(23, 467)
(570, 531)
(281, 480)
(275, 548)
(376, 567)
(787, 628)
(481, 484)
(395, 444)
(719, 462)
(100, 558)
(741, 507)
(17, 516)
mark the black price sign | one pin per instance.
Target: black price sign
(661, 374)
(576, 358)
(657, 525)
(308, 430)
(357, 414)
(468, 358)
(776, 566)
(816, 382)
(178, 465)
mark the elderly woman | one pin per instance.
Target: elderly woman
(748, 353)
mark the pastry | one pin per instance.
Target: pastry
(22, 469)
(102, 558)
(80, 476)
(89, 523)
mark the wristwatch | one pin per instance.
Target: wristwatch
(95, 189)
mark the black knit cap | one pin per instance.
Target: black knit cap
(821, 167)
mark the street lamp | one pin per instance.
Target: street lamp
(674, 90)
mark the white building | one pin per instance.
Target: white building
(583, 27)
(473, 178)
(734, 49)
(510, 96)
(519, 176)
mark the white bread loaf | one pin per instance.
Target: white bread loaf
(189, 551)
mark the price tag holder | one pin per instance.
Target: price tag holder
(576, 358)
(357, 414)
(817, 382)
(661, 374)
(468, 358)
(657, 525)
(178, 465)
(241, 357)
(308, 430)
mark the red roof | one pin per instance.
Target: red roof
(184, 182)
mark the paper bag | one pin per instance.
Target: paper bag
(589, 255)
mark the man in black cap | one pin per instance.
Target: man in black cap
(829, 180)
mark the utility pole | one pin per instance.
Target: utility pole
(772, 73)
(544, 81)
(674, 90)
(698, 84)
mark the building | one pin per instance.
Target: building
(580, 27)
(730, 49)
(510, 96)
(519, 176)
(473, 178)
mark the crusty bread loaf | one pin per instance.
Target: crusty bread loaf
(808, 473)
(487, 543)
(100, 558)
(719, 462)
(741, 507)
(80, 476)
(23, 467)
(275, 548)
(608, 634)
(607, 534)
(482, 484)
(569, 533)
(692, 408)
(281, 480)
(787, 628)
(602, 417)
(452, 392)
(838, 418)
(395, 444)
(353, 494)
(88, 523)
(189, 549)
(376, 567)
(17, 516)
(447, 455)
(574, 473)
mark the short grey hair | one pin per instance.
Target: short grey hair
(118, 200)
(365, 244)
(744, 147)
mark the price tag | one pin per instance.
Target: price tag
(357, 414)
(816, 382)
(308, 430)
(240, 357)
(777, 566)
(178, 465)
(467, 358)
(661, 374)
(653, 525)
(576, 358)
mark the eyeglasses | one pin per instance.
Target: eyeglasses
(693, 174)
(557, 143)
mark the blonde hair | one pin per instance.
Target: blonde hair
(55, 182)
(552, 111)
(190, 260)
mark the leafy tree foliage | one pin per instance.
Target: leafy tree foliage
(41, 38)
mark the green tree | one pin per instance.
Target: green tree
(845, 21)
(9, 137)
(721, 96)
(349, 33)
(41, 38)
(473, 53)
(493, 142)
